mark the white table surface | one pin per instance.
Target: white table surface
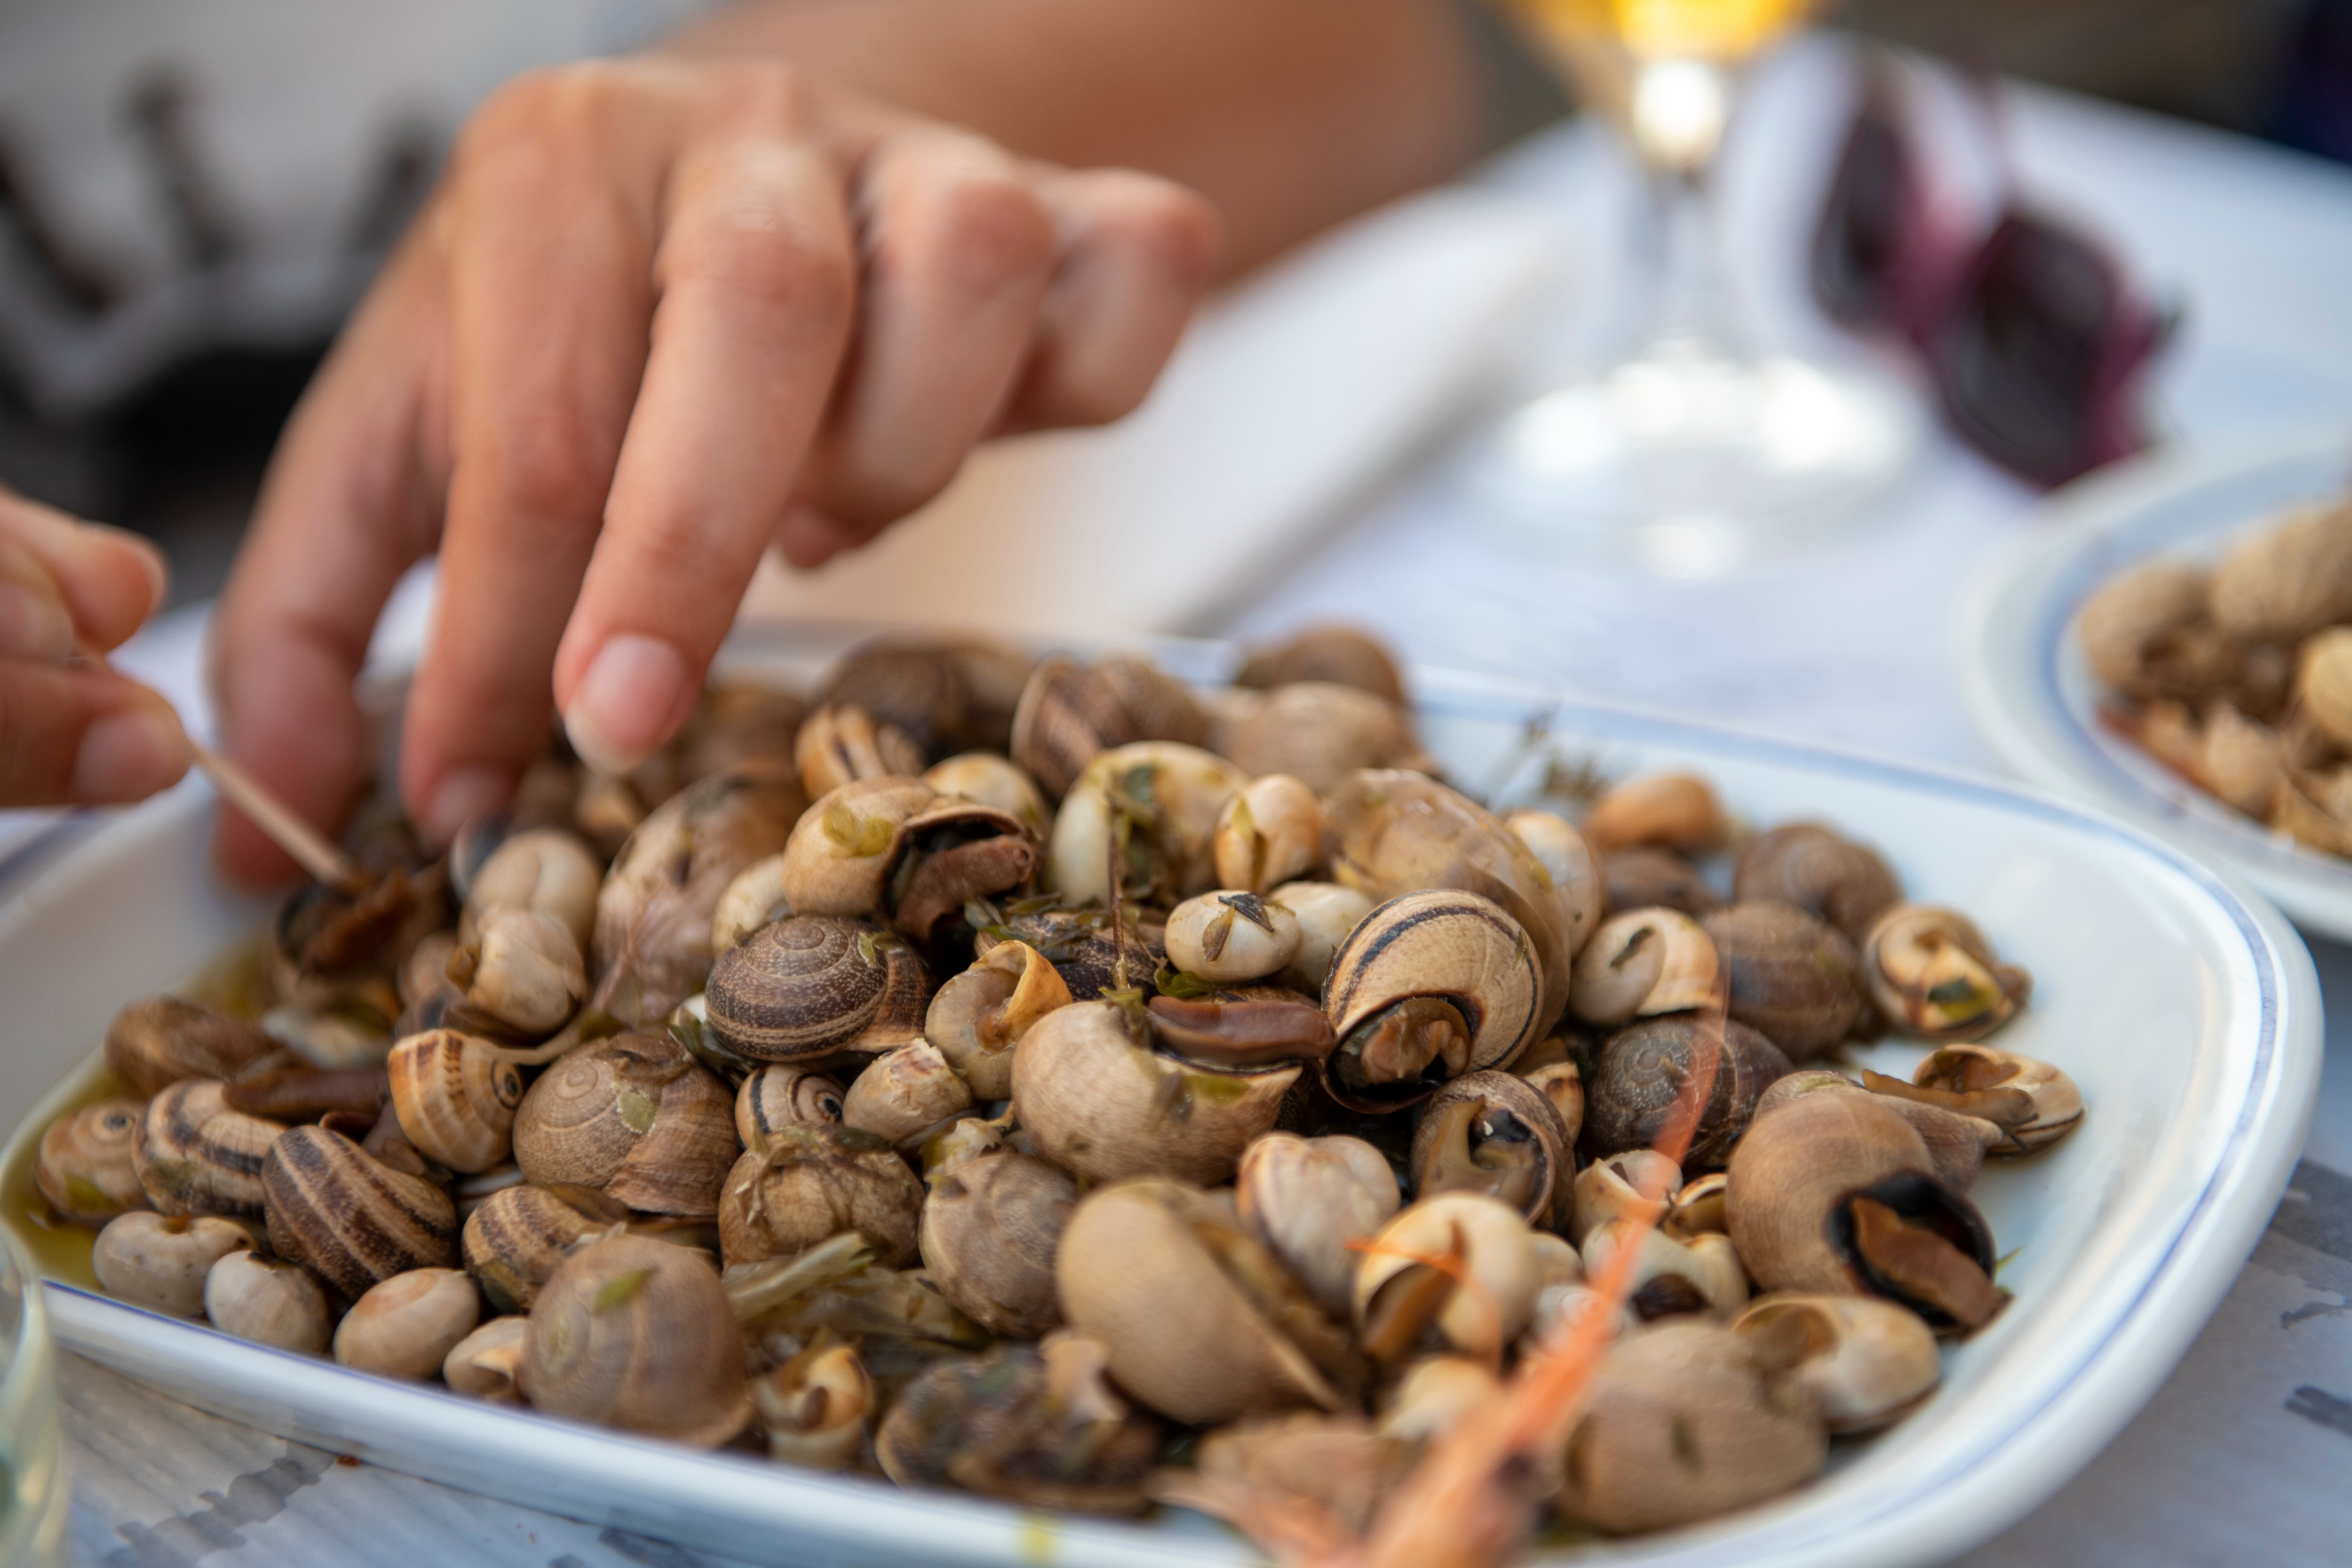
(2241, 1457)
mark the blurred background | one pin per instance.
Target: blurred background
(192, 197)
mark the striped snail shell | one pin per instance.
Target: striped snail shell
(154, 1044)
(352, 1218)
(637, 1333)
(634, 1117)
(811, 984)
(1430, 985)
(781, 1095)
(815, 1180)
(519, 1236)
(84, 1166)
(455, 1097)
(195, 1155)
(841, 741)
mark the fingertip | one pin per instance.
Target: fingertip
(461, 794)
(129, 755)
(636, 693)
(809, 538)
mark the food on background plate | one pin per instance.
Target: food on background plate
(1057, 1084)
(2239, 677)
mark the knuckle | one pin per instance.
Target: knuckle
(1174, 224)
(989, 227)
(753, 246)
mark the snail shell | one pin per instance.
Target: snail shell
(2288, 580)
(989, 1233)
(1805, 864)
(634, 1117)
(84, 1166)
(521, 973)
(1795, 978)
(637, 1333)
(544, 869)
(1309, 1200)
(978, 1017)
(1680, 1425)
(1071, 713)
(154, 1044)
(1637, 1184)
(989, 780)
(814, 1179)
(1641, 1072)
(2030, 1103)
(1319, 733)
(487, 1362)
(809, 985)
(518, 1236)
(945, 695)
(815, 1406)
(1492, 1134)
(840, 742)
(1162, 1275)
(1934, 975)
(1100, 1104)
(897, 849)
(194, 1154)
(1576, 881)
(1670, 1274)
(654, 914)
(1162, 800)
(268, 1301)
(2324, 683)
(1268, 833)
(781, 1095)
(1643, 964)
(455, 1097)
(1668, 811)
(1444, 949)
(350, 1218)
(904, 1092)
(2133, 612)
(1865, 1361)
(1034, 1425)
(754, 899)
(1640, 877)
(161, 1261)
(1232, 937)
(408, 1325)
(1341, 655)
(1390, 833)
(1326, 912)
(1476, 1304)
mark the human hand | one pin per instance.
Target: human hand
(660, 313)
(71, 734)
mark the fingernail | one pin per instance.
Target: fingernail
(632, 698)
(33, 625)
(129, 756)
(462, 794)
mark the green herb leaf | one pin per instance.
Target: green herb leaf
(617, 1290)
(637, 1110)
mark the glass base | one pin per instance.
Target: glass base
(1689, 460)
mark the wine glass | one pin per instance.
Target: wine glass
(1699, 445)
(32, 1482)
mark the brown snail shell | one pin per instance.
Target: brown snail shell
(754, 899)
(544, 869)
(986, 778)
(1833, 1193)
(2031, 1102)
(85, 1166)
(487, 1362)
(1669, 811)
(1319, 733)
(1070, 712)
(1561, 1083)
(902, 1092)
(1812, 867)
(736, 719)
(839, 742)
(154, 1044)
(522, 974)
(1476, 1304)
(1337, 1464)
(1388, 833)
(1082, 947)
(1100, 1103)
(989, 1232)
(1672, 1274)
(1576, 881)
(2132, 613)
(1189, 1307)
(455, 1097)
(2288, 580)
(654, 915)
(1641, 1071)
(815, 1406)
(1463, 962)
(1641, 877)
(1268, 833)
(1307, 1199)
(809, 985)
(1791, 976)
(815, 1180)
(268, 1301)
(978, 1017)
(1957, 1143)
(897, 850)
(637, 1333)
(408, 1325)
(514, 1240)
(350, 1218)
(1681, 1426)
(1341, 655)
(1492, 1134)
(1326, 912)
(1158, 798)
(1862, 1360)
(1033, 1425)
(1643, 964)
(779, 1095)
(194, 1154)
(2323, 683)
(634, 1117)
(1640, 1183)
(1934, 975)
(161, 1261)
(947, 695)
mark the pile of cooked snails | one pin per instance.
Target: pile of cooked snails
(2239, 677)
(1157, 1080)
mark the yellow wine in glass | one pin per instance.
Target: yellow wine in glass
(1723, 30)
(1661, 68)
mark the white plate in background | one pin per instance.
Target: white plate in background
(2188, 1013)
(2033, 695)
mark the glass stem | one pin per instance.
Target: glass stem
(1691, 305)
